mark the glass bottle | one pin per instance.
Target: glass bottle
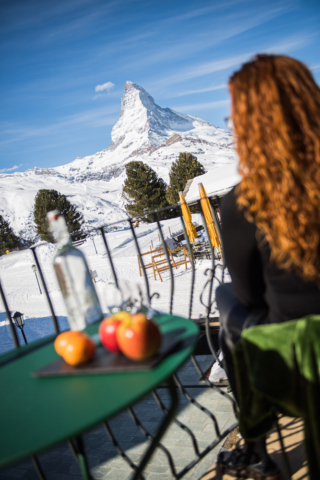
(74, 277)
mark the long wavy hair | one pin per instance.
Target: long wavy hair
(276, 117)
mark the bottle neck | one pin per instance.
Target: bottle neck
(59, 229)
(62, 239)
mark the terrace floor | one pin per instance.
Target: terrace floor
(292, 432)
(105, 462)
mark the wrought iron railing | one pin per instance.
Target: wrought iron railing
(206, 299)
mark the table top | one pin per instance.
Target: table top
(37, 413)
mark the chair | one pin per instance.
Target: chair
(279, 368)
(202, 250)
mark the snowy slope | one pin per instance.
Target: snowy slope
(144, 131)
(22, 292)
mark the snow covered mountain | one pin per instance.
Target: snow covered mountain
(145, 132)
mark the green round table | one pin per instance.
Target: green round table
(38, 413)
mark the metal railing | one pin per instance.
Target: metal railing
(206, 299)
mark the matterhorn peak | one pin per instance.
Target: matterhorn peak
(141, 118)
(131, 87)
(134, 95)
(146, 131)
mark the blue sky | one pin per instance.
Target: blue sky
(56, 54)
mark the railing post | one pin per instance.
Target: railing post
(141, 261)
(168, 260)
(13, 330)
(53, 315)
(109, 257)
(192, 265)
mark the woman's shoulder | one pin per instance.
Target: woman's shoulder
(233, 217)
(229, 208)
(229, 200)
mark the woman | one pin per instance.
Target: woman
(271, 220)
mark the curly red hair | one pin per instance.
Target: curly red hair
(276, 116)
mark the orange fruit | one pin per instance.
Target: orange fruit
(63, 340)
(75, 347)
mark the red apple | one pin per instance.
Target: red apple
(138, 338)
(108, 328)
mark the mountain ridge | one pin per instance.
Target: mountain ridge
(144, 131)
(143, 127)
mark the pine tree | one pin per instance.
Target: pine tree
(182, 170)
(144, 191)
(8, 240)
(47, 200)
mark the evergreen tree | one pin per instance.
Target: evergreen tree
(48, 200)
(8, 240)
(186, 167)
(144, 191)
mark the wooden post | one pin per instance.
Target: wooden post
(93, 278)
(139, 266)
(154, 268)
(159, 237)
(170, 232)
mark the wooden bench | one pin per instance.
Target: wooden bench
(149, 265)
(185, 260)
(159, 266)
(163, 265)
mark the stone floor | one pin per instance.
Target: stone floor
(106, 463)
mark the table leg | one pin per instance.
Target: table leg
(38, 468)
(163, 427)
(79, 452)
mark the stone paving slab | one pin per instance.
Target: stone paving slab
(105, 462)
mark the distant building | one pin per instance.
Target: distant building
(216, 182)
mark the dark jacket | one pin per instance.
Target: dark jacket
(256, 281)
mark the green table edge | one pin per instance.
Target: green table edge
(188, 333)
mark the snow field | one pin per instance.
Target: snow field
(22, 292)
